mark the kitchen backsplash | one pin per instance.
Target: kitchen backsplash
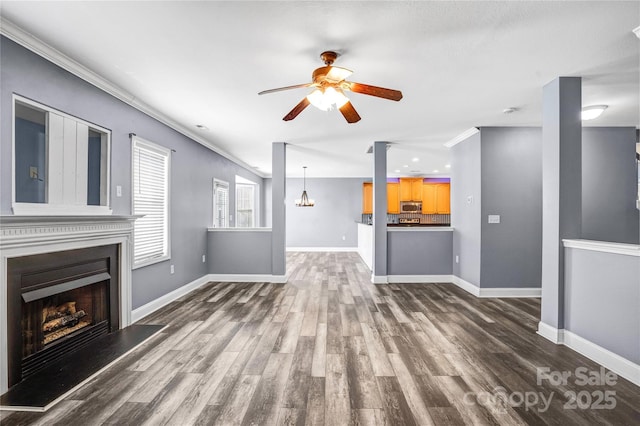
(427, 219)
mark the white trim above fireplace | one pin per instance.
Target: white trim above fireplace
(29, 235)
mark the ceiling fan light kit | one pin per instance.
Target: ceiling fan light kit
(329, 83)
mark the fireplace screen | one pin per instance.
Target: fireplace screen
(54, 319)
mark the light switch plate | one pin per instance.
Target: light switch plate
(494, 218)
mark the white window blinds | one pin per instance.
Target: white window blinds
(245, 205)
(151, 170)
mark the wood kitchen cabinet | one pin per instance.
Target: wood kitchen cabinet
(436, 198)
(393, 198)
(410, 189)
(367, 198)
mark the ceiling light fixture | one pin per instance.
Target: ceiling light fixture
(304, 200)
(447, 166)
(593, 111)
(415, 159)
(202, 127)
(326, 99)
(462, 136)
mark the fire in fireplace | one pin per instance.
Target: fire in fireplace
(59, 302)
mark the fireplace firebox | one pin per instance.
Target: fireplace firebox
(58, 303)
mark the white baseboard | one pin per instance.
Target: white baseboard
(145, 310)
(247, 278)
(465, 285)
(610, 360)
(510, 292)
(321, 249)
(550, 333)
(379, 279)
(419, 278)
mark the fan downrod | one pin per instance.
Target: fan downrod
(328, 57)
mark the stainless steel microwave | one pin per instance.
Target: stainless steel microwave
(410, 207)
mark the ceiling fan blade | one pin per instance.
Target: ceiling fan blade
(349, 113)
(381, 92)
(297, 109)
(280, 89)
(337, 74)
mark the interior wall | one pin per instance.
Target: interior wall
(609, 185)
(332, 221)
(193, 166)
(511, 169)
(466, 208)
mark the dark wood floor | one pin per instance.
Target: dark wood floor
(330, 348)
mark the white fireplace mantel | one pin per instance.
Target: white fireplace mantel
(30, 235)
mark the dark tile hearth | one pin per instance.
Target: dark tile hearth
(45, 387)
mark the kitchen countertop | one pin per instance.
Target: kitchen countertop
(414, 227)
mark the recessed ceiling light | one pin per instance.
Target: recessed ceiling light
(396, 171)
(593, 111)
(447, 166)
(405, 165)
(415, 159)
(202, 127)
(436, 171)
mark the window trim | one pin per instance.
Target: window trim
(41, 209)
(165, 151)
(220, 182)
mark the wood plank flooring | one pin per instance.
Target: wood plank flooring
(330, 348)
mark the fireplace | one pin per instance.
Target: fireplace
(51, 266)
(58, 303)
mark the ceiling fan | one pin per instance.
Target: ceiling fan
(329, 83)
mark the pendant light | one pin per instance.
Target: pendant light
(304, 201)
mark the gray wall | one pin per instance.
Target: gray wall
(465, 216)
(602, 297)
(419, 252)
(193, 166)
(338, 207)
(239, 252)
(609, 185)
(512, 188)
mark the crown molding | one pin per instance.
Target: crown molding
(40, 48)
(462, 136)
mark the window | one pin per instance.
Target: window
(61, 163)
(245, 203)
(151, 171)
(220, 204)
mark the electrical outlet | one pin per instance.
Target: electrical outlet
(457, 259)
(344, 237)
(494, 218)
(204, 258)
(118, 191)
(173, 269)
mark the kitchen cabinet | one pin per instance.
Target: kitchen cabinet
(410, 189)
(436, 198)
(367, 198)
(443, 198)
(393, 198)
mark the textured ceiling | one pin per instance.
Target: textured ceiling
(458, 64)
